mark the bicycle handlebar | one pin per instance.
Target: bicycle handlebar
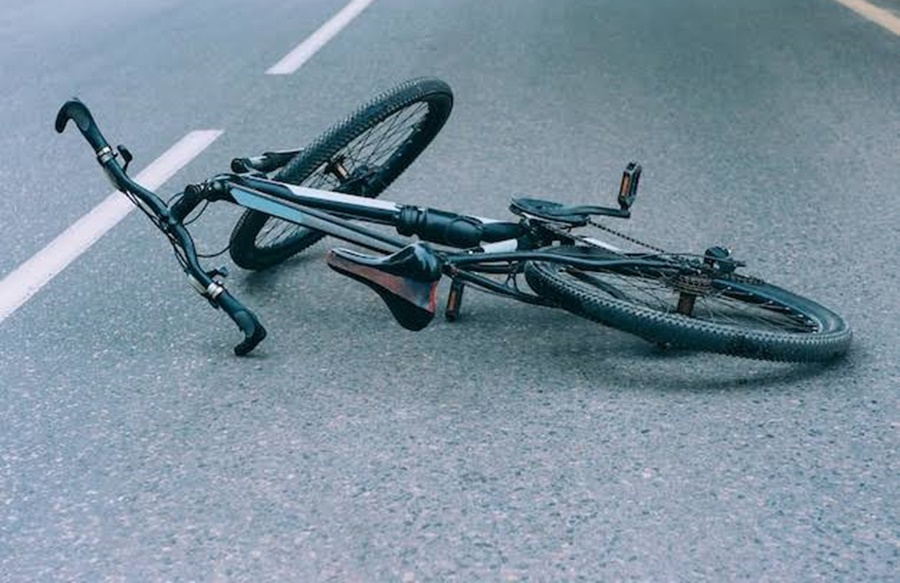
(167, 221)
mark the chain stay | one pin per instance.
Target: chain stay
(566, 233)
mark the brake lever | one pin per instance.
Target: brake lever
(126, 155)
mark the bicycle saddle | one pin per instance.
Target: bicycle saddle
(406, 280)
(577, 216)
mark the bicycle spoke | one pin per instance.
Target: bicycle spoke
(723, 306)
(356, 151)
(372, 150)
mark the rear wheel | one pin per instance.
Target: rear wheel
(689, 306)
(361, 155)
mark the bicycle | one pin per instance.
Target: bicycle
(293, 198)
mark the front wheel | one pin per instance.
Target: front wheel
(361, 155)
(685, 305)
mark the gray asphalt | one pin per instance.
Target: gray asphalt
(518, 443)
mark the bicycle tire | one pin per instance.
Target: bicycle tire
(740, 316)
(409, 116)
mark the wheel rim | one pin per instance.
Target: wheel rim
(371, 158)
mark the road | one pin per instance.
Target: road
(519, 443)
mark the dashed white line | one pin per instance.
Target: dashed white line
(883, 18)
(309, 47)
(21, 284)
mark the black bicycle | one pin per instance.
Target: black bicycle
(294, 198)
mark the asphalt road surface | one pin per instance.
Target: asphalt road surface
(519, 443)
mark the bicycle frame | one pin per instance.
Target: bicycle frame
(324, 210)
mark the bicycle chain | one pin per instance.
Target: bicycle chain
(628, 238)
(565, 233)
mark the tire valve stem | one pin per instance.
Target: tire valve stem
(337, 168)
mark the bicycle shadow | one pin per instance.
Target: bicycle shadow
(562, 344)
(260, 283)
(669, 370)
(495, 332)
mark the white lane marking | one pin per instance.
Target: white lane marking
(26, 280)
(305, 50)
(883, 18)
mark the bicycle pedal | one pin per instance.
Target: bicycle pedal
(629, 185)
(454, 301)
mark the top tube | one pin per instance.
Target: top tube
(436, 226)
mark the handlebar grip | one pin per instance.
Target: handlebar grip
(78, 112)
(494, 232)
(266, 163)
(254, 332)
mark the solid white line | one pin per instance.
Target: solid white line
(17, 287)
(305, 50)
(883, 18)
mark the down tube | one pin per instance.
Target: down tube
(317, 220)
